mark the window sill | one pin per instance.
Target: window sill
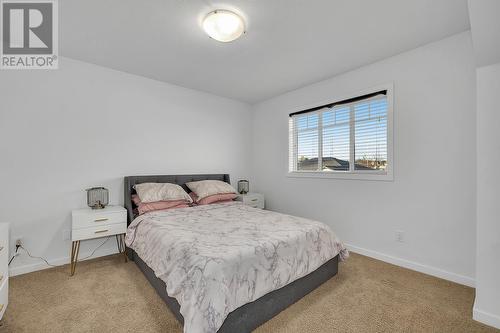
(385, 176)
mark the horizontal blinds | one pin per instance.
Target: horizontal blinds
(370, 139)
(343, 137)
(336, 139)
(307, 137)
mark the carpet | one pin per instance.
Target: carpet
(108, 295)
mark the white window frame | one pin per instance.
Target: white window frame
(382, 175)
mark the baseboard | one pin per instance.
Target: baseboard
(437, 272)
(23, 269)
(461, 279)
(485, 317)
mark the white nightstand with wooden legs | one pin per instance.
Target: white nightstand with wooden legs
(90, 223)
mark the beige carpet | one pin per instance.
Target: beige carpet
(107, 295)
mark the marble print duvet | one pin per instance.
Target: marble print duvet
(216, 258)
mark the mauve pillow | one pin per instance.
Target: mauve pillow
(216, 198)
(135, 199)
(144, 207)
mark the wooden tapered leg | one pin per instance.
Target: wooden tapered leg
(71, 258)
(124, 247)
(120, 242)
(75, 248)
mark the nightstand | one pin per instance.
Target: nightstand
(90, 223)
(255, 200)
(4, 269)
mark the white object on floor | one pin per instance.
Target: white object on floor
(90, 223)
(4, 267)
(255, 200)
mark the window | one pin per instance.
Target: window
(345, 139)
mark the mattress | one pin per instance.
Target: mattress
(216, 258)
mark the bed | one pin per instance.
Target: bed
(226, 290)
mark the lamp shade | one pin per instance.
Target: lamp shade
(97, 197)
(243, 186)
(223, 25)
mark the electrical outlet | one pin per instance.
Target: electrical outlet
(400, 236)
(66, 234)
(19, 241)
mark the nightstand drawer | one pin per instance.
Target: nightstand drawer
(4, 268)
(255, 200)
(96, 219)
(4, 296)
(3, 276)
(4, 259)
(251, 200)
(99, 231)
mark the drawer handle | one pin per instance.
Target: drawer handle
(255, 200)
(101, 220)
(101, 231)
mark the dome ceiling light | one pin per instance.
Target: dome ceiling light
(223, 25)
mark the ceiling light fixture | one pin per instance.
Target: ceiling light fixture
(224, 25)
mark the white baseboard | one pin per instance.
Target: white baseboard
(437, 272)
(461, 279)
(23, 269)
(485, 317)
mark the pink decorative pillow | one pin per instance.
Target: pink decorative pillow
(135, 199)
(213, 198)
(144, 207)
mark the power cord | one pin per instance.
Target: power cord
(35, 257)
(97, 248)
(15, 254)
(18, 246)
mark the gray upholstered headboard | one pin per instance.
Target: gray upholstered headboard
(181, 180)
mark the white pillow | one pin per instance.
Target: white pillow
(205, 188)
(152, 192)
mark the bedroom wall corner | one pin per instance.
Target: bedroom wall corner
(487, 303)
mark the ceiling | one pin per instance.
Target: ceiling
(289, 43)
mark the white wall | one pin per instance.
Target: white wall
(432, 197)
(485, 28)
(66, 130)
(487, 304)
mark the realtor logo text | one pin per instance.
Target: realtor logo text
(29, 34)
